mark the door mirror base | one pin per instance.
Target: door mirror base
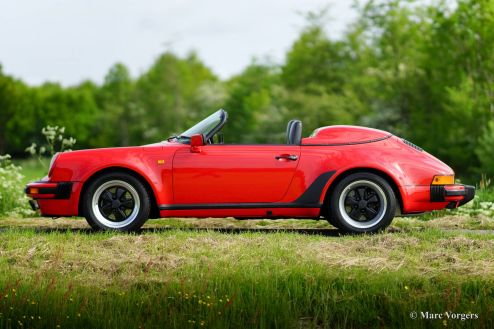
(196, 141)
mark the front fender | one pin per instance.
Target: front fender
(151, 163)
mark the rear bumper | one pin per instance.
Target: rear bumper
(54, 199)
(456, 195)
(421, 198)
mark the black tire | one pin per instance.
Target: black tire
(361, 203)
(331, 221)
(116, 201)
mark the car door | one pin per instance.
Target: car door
(233, 173)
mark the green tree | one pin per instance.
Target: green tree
(314, 61)
(250, 103)
(168, 95)
(13, 108)
(318, 76)
(74, 108)
(485, 150)
(116, 98)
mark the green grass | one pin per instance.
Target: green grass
(451, 221)
(33, 169)
(167, 278)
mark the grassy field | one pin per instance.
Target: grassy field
(189, 273)
(226, 273)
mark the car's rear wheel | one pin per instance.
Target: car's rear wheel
(116, 201)
(362, 203)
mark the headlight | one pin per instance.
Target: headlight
(443, 180)
(52, 162)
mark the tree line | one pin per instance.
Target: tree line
(423, 72)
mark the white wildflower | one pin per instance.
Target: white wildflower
(31, 149)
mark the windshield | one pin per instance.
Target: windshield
(206, 126)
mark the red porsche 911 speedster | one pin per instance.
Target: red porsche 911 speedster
(357, 178)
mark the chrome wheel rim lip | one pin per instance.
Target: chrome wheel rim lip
(96, 208)
(383, 203)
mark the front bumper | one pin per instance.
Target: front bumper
(45, 190)
(456, 195)
(54, 199)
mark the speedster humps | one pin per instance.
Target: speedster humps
(357, 178)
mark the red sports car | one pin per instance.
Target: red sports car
(357, 178)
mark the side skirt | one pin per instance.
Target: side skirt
(237, 206)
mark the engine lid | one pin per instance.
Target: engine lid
(344, 135)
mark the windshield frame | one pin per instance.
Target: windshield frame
(182, 138)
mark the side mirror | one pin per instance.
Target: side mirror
(196, 141)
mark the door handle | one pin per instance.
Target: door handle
(290, 157)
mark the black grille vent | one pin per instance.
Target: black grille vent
(412, 145)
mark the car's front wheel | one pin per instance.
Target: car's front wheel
(116, 201)
(362, 203)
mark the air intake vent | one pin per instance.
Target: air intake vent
(412, 145)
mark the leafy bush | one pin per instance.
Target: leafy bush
(55, 142)
(13, 201)
(485, 150)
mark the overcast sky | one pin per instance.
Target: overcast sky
(72, 40)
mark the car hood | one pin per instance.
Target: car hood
(344, 135)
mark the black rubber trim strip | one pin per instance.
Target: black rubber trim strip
(351, 143)
(47, 190)
(308, 199)
(237, 206)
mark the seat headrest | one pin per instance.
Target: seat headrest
(294, 132)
